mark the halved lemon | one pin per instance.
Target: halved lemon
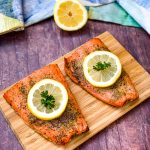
(102, 68)
(47, 99)
(70, 15)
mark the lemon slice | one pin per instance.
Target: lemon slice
(102, 68)
(70, 15)
(47, 99)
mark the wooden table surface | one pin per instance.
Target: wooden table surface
(22, 52)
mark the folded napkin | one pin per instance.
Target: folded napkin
(37, 10)
(139, 10)
(16, 13)
(11, 17)
(112, 12)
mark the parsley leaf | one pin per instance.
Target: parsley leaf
(101, 66)
(47, 100)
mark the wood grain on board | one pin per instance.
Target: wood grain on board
(97, 114)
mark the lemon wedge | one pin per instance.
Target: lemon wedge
(102, 68)
(47, 99)
(70, 15)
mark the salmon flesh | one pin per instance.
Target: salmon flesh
(117, 95)
(60, 130)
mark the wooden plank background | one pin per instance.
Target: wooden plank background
(23, 52)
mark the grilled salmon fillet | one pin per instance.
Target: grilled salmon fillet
(60, 130)
(117, 94)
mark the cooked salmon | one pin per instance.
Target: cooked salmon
(117, 94)
(60, 130)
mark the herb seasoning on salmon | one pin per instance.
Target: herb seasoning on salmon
(60, 130)
(117, 94)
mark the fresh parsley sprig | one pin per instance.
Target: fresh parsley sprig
(101, 66)
(47, 100)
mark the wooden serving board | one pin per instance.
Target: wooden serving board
(97, 114)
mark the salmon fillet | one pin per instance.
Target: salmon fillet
(60, 130)
(117, 94)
